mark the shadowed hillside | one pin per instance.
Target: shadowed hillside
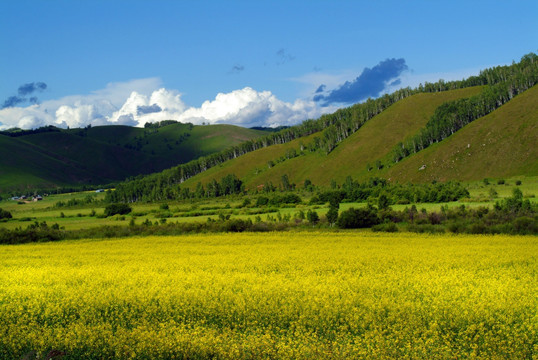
(99, 155)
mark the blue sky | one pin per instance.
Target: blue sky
(242, 62)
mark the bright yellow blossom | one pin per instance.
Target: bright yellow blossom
(300, 295)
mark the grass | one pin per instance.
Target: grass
(301, 295)
(201, 210)
(501, 144)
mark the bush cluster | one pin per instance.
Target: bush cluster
(117, 209)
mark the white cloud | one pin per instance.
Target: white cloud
(168, 101)
(139, 101)
(26, 118)
(247, 107)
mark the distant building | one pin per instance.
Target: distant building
(37, 198)
(99, 190)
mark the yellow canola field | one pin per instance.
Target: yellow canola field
(301, 295)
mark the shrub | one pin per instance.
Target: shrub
(332, 215)
(246, 202)
(236, 225)
(386, 227)
(262, 201)
(518, 182)
(4, 214)
(357, 218)
(312, 217)
(500, 182)
(117, 209)
(525, 225)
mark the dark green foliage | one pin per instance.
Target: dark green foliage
(312, 217)
(500, 182)
(288, 198)
(385, 227)
(357, 218)
(16, 132)
(286, 185)
(4, 214)
(518, 182)
(237, 225)
(159, 124)
(88, 199)
(353, 191)
(307, 185)
(332, 214)
(36, 232)
(383, 202)
(262, 201)
(276, 200)
(512, 215)
(333, 197)
(246, 202)
(163, 189)
(117, 209)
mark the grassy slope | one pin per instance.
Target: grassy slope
(208, 139)
(101, 155)
(27, 165)
(374, 140)
(103, 161)
(501, 144)
(250, 167)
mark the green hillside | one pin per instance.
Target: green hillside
(24, 166)
(99, 155)
(501, 144)
(374, 140)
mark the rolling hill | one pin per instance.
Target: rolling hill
(371, 142)
(409, 135)
(501, 144)
(483, 126)
(100, 155)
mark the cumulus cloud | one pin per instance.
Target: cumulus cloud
(144, 101)
(248, 107)
(162, 104)
(370, 83)
(29, 117)
(74, 110)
